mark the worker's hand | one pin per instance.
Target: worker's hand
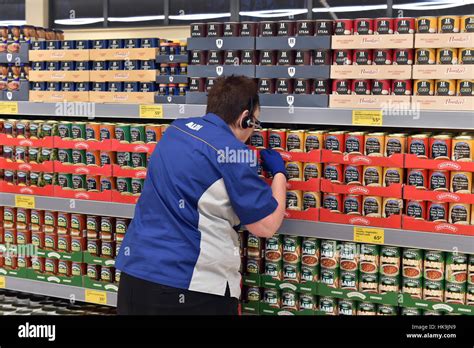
(272, 162)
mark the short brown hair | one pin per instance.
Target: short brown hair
(230, 96)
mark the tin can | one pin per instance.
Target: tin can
(382, 56)
(291, 272)
(198, 57)
(392, 176)
(307, 302)
(347, 307)
(437, 211)
(395, 143)
(10, 177)
(267, 28)
(267, 57)
(425, 56)
(404, 25)
(123, 132)
(65, 130)
(294, 171)
(448, 24)
(401, 87)
(137, 186)
(302, 86)
(372, 206)
(461, 182)
(392, 206)
(447, 56)
(22, 129)
(93, 183)
(65, 180)
(342, 57)
(310, 251)
(333, 172)
(138, 159)
(349, 256)
(424, 87)
(137, 133)
(106, 184)
(372, 176)
(321, 56)
(311, 200)
(277, 139)
(466, 56)
(390, 261)
(253, 294)
(49, 179)
(352, 204)
(248, 29)
(78, 131)
(440, 146)
(295, 140)
(366, 308)
(272, 298)
(93, 158)
(418, 178)
(232, 57)
(9, 152)
(65, 156)
(124, 185)
(49, 128)
(215, 57)
(418, 144)
(343, 87)
(284, 86)
(334, 141)
(35, 129)
(106, 158)
(349, 280)
(369, 282)
(285, 28)
(344, 27)
(369, 258)
(416, 209)
(362, 57)
(51, 266)
(124, 159)
(323, 27)
(439, 180)
(266, 86)
(274, 269)
(21, 154)
(387, 310)
(79, 182)
(427, 25)
(462, 148)
(363, 26)
(467, 24)
(384, 26)
(304, 28)
(79, 156)
(352, 175)
(198, 30)
(291, 249)
(259, 138)
(294, 200)
(374, 144)
(333, 202)
(328, 305)
(330, 277)
(403, 56)
(22, 178)
(361, 87)
(459, 213)
(314, 140)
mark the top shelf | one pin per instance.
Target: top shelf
(291, 115)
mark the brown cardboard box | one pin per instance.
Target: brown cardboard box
(459, 40)
(372, 41)
(443, 103)
(53, 97)
(124, 75)
(454, 72)
(371, 72)
(124, 54)
(67, 76)
(122, 97)
(58, 55)
(368, 102)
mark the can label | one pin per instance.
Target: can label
(332, 172)
(292, 272)
(332, 143)
(418, 147)
(274, 270)
(366, 308)
(438, 181)
(426, 25)
(448, 25)
(369, 282)
(437, 212)
(291, 249)
(416, 178)
(266, 57)
(274, 248)
(328, 305)
(329, 254)
(392, 176)
(371, 206)
(413, 263)
(353, 144)
(461, 182)
(372, 176)
(312, 142)
(330, 277)
(352, 204)
(321, 57)
(466, 56)
(349, 280)
(384, 26)
(310, 251)
(461, 151)
(352, 175)
(331, 202)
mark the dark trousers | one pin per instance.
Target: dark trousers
(141, 297)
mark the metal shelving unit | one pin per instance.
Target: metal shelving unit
(293, 115)
(54, 290)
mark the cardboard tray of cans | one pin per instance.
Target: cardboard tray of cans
(178, 58)
(97, 260)
(293, 43)
(311, 214)
(27, 190)
(262, 280)
(265, 309)
(43, 142)
(413, 193)
(124, 75)
(390, 298)
(311, 156)
(408, 301)
(371, 71)
(118, 197)
(67, 76)
(52, 254)
(126, 147)
(170, 99)
(123, 54)
(444, 103)
(17, 273)
(221, 70)
(99, 285)
(393, 191)
(221, 43)
(441, 71)
(410, 223)
(22, 93)
(309, 185)
(16, 57)
(52, 278)
(58, 55)
(369, 101)
(82, 169)
(373, 41)
(92, 145)
(394, 221)
(57, 96)
(105, 196)
(24, 166)
(289, 72)
(172, 79)
(122, 97)
(412, 161)
(296, 100)
(395, 160)
(128, 172)
(442, 40)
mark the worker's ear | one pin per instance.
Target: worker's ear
(242, 119)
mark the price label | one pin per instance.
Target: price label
(367, 117)
(94, 296)
(151, 111)
(3, 282)
(8, 108)
(369, 235)
(27, 202)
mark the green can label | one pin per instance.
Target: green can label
(65, 155)
(367, 308)
(76, 269)
(34, 154)
(36, 264)
(310, 251)
(434, 265)
(456, 268)
(289, 300)
(369, 282)
(138, 159)
(92, 272)
(137, 186)
(253, 294)
(389, 284)
(390, 259)
(272, 298)
(49, 129)
(124, 185)
(309, 273)
(78, 131)
(79, 157)
(274, 248)
(386, 310)
(137, 134)
(329, 254)
(330, 277)
(349, 280)
(79, 182)
(347, 307)
(349, 256)
(411, 311)
(65, 180)
(253, 266)
(308, 301)
(291, 249)
(274, 270)
(455, 292)
(52, 179)
(122, 133)
(292, 272)
(369, 258)
(328, 305)
(433, 290)
(65, 130)
(412, 286)
(35, 130)
(123, 159)
(412, 263)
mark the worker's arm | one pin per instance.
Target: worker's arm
(273, 163)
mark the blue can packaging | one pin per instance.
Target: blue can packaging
(115, 86)
(131, 65)
(83, 65)
(147, 65)
(68, 86)
(99, 86)
(68, 66)
(53, 86)
(68, 45)
(163, 90)
(37, 86)
(147, 87)
(24, 71)
(115, 65)
(52, 66)
(100, 44)
(83, 86)
(131, 43)
(38, 66)
(38, 45)
(99, 65)
(130, 87)
(116, 43)
(149, 43)
(53, 45)
(173, 89)
(83, 44)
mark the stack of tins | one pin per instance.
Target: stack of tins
(443, 146)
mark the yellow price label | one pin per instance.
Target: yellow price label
(367, 117)
(369, 235)
(95, 296)
(9, 108)
(27, 202)
(3, 282)
(151, 111)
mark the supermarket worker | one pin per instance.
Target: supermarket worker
(180, 254)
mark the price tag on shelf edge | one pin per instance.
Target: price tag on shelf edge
(367, 117)
(27, 202)
(95, 296)
(369, 235)
(151, 111)
(3, 282)
(8, 108)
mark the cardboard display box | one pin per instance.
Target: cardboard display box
(371, 71)
(124, 54)
(56, 96)
(443, 103)
(372, 41)
(67, 76)
(369, 101)
(58, 55)
(123, 75)
(455, 72)
(459, 40)
(122, 97)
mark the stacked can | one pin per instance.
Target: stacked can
(412, 264)
(390, 262)
(456, 278)
(369, 268)
(330, 257)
